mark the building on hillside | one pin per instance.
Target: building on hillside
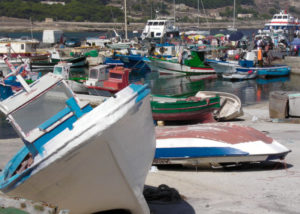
(242, 16)
(53, 2)
(48, 20)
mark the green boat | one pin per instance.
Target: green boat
(170, 108)
(189, 64)
(76, 61)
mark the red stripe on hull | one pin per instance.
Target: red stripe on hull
(217, 132)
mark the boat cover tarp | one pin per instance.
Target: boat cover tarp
(235, 36)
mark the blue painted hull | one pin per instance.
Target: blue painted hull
(278, 70)
(5, 92)
(135, 62)
(214, 143)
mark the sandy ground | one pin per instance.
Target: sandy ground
(259, 188)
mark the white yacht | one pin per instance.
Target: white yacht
(283, 21)
(160, 27)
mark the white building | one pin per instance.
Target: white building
(248, 15)
(53, 2)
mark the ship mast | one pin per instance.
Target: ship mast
(233, 25)
(198, 13)
(125, 14)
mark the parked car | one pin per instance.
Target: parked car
(73, 42)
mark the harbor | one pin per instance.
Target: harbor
(155, 118)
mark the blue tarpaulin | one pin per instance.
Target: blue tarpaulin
(296, 41)
(235, 36)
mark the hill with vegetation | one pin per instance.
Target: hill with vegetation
(141, 10)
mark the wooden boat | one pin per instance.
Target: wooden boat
(193, 65)
(230, 104)
(168, 108)
(55, 58)
(221, 143)
(102, 83)
(63, 69)
(77, 158)
(274, 70)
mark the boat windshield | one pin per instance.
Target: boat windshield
(161, 23)
(155, 23)
(42, 108)
(57, 70)
(285, 17)
(93, 74)
(150, 23)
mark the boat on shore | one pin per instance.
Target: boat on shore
(230, 105)
(217, 143)
(169, 108)
(77, 158)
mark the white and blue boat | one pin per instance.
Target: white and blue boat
(217, 143)
(223, 66)
(77, 158)
(246, 70)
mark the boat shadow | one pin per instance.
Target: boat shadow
(244, 167)
(161, 200)
(164, 199)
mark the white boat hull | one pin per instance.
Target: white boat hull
(223, 67)
(215, 143)
(98, 165)
(177, 68)
(239, 75)
(230, 104)
(77, 87)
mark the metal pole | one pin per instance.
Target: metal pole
(198, 14)
(125, 14)
(233, 14)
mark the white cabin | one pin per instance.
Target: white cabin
(91, 41)
(18, 46)
(52, 36)
(159, 28)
